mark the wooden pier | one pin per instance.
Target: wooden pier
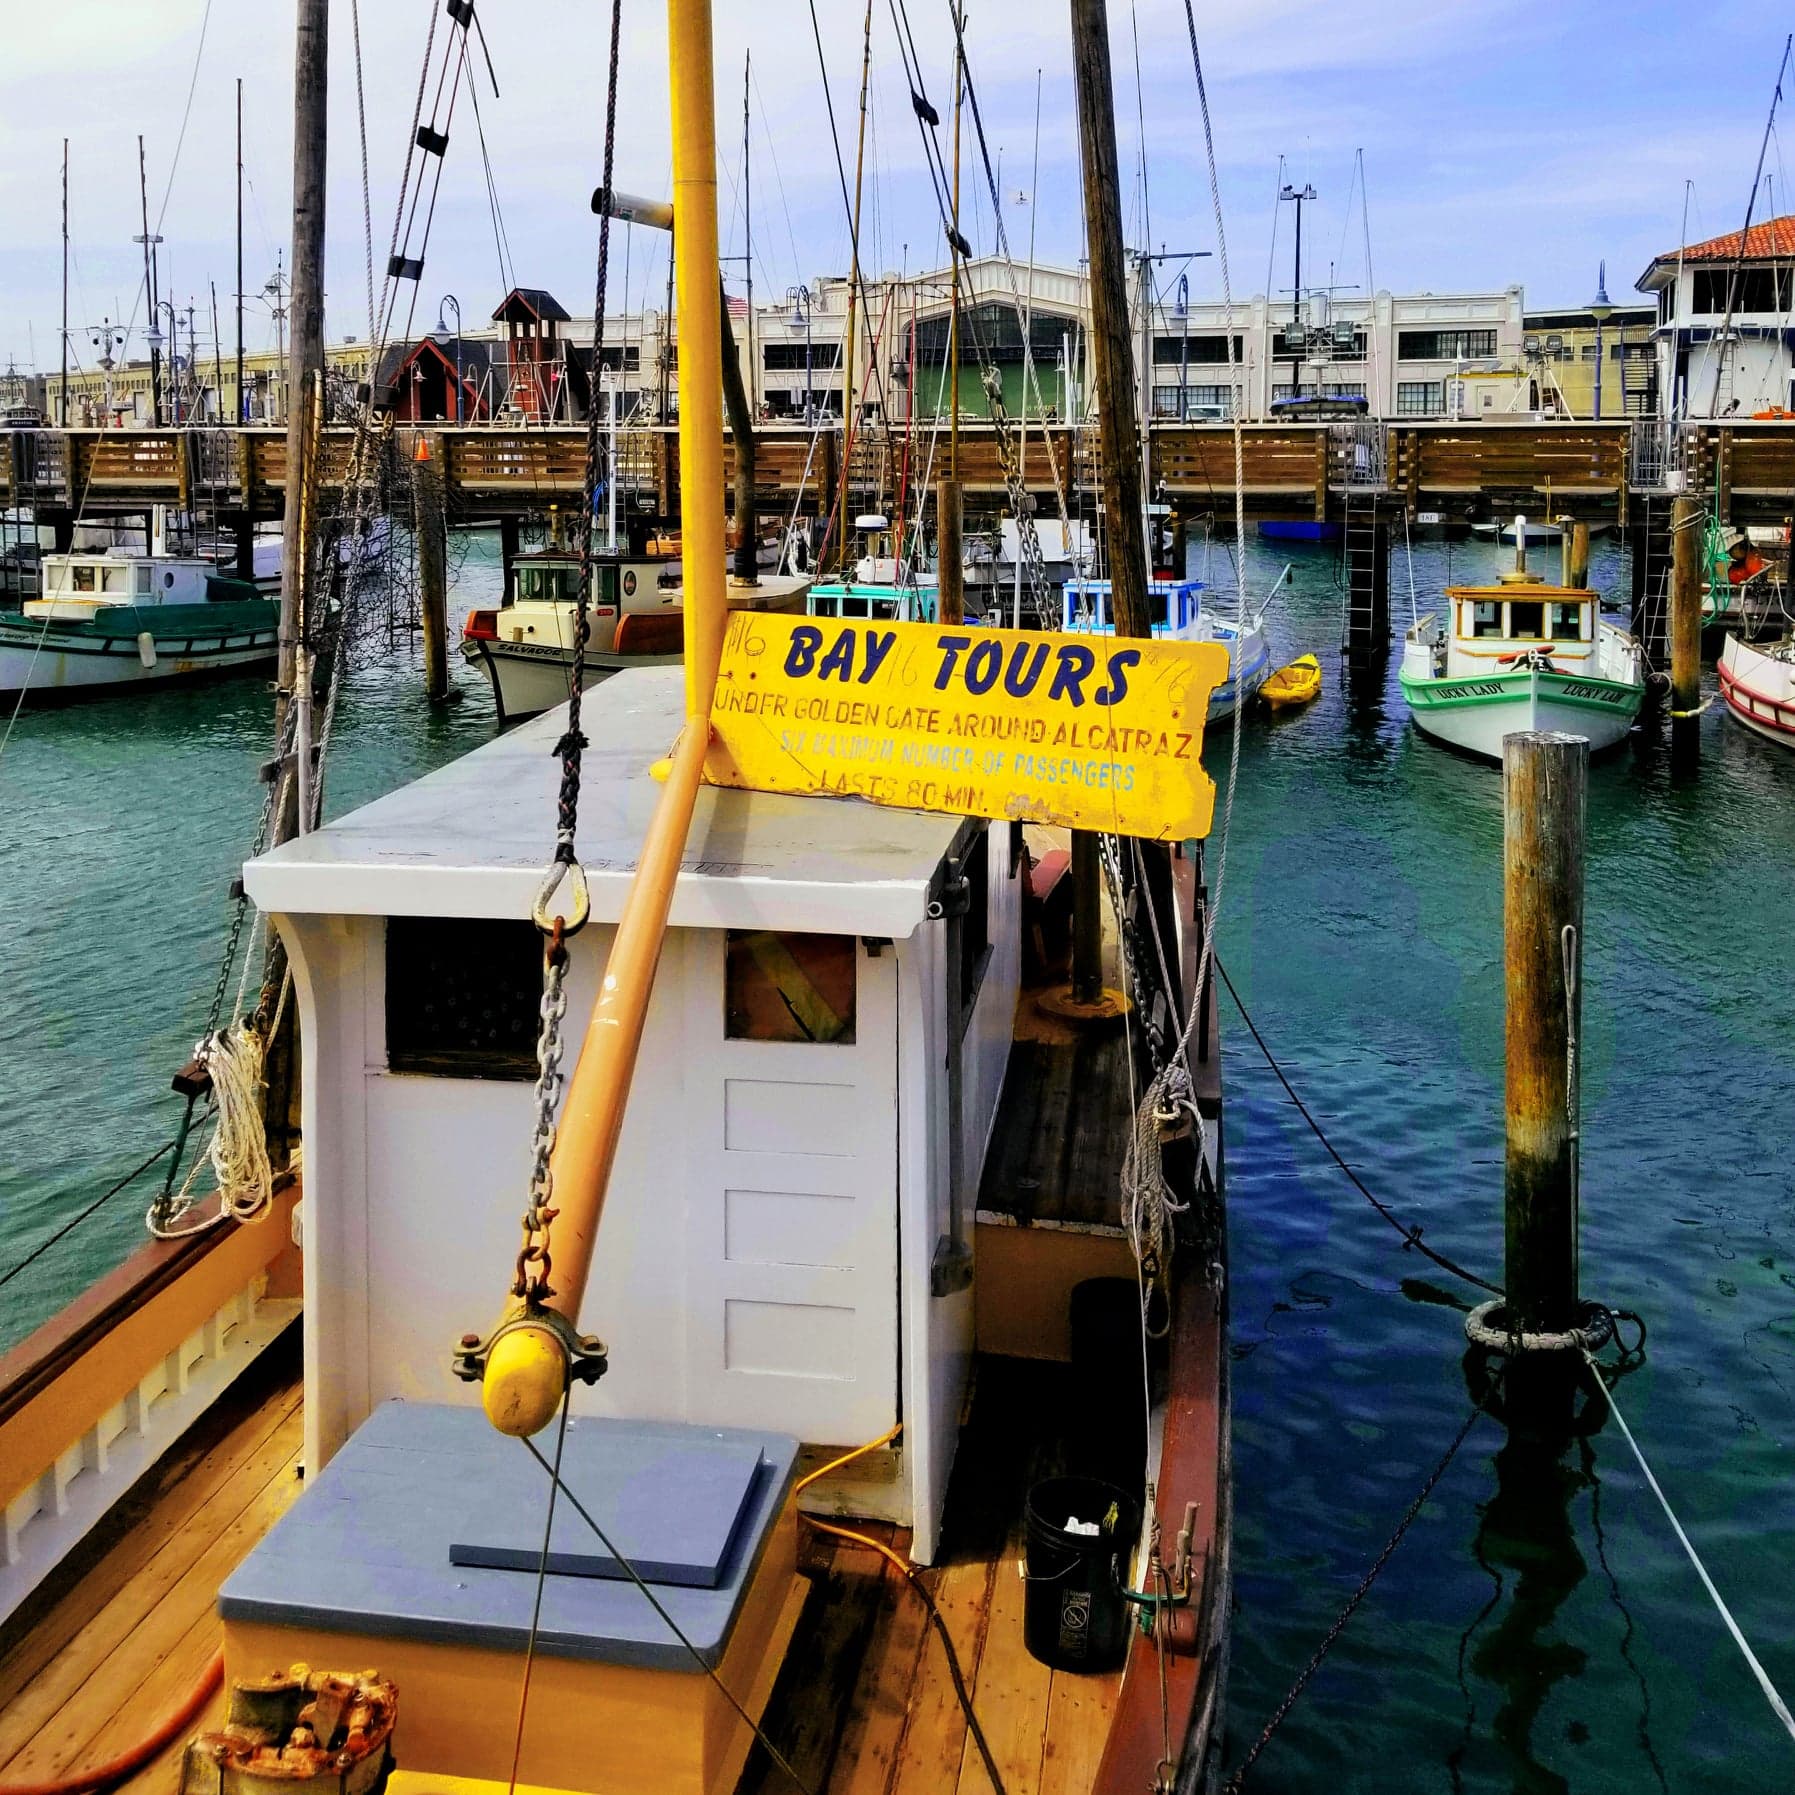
(1306, 470)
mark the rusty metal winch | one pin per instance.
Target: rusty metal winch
(293, 1726)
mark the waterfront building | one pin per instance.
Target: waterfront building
(1562, 347)
(1725, 333)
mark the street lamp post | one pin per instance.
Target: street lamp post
(105, 339)
(800, 298)
(1601, 308)
(449, 299)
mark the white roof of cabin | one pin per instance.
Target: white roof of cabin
(473, 838)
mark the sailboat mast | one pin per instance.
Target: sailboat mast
(63, 400)
(1112, 374)
(1028, 353)
(748, 226)
(950, 516)
(305, 360)
(149, 290)
(847, 423)
(240, 409)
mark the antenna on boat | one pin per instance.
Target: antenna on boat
(1518, 574)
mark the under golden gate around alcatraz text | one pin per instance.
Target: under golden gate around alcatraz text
(1085, 731)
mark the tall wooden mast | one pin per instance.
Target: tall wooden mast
(306, 343)
(1111, 351)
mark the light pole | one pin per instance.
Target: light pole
(800, 298)
(155, 339)
(105, 338)
(1601, 308)
(1181, 311)
(449, 299)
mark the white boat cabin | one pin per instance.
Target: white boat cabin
(75, 585)
(1490, 629)
(1175, 606)
(780, 1218)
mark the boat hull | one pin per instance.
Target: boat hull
(72, 660)
(529, 678)
(1759, 690)
(1476, 713)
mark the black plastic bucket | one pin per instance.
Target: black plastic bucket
(1074, 1615)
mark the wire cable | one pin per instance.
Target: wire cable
(673, 1626)
(68, 1227)
(1778, 1706)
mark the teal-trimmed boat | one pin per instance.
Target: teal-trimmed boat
(110, 620)
(1521, 655)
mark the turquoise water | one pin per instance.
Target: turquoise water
(1539, 1630)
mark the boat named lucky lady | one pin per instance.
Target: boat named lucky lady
(1521, 655)
(107, 620)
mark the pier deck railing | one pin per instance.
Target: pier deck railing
(1290, 469)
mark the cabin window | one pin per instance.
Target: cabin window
(604, 584)
(118, 579)
(463, 998)
(143, 581)
(1526, 617)
(84, 579)
(1483, 618)
(787, 987)
(1567, 622)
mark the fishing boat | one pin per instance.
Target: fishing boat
(1758, 687)
(1178, 615)
(102, 621)
(1521, 655)
(1297, 684)
(811, 1170)
(883, 585)
(634, 618)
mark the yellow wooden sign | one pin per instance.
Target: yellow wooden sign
(1086, 731)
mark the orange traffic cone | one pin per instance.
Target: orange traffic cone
(422, 452)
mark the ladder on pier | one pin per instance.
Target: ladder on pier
(1365, 548)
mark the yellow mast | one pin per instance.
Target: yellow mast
(531, 1354)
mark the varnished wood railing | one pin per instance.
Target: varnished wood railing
(90, 1401)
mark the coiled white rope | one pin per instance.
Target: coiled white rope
(1777, 1705)
(238, 1154)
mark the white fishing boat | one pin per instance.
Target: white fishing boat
(1178, 614)
(109, 620)
(1758, 687)
(1521, 655)
(635, 617)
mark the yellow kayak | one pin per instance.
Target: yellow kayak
(1299, 683)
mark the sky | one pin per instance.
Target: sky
(1510, 141)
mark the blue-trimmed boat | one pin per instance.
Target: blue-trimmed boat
(1178, 615)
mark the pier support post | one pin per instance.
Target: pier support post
(508, 546)
(1577, 562)
(950, 551)
(1087, 921)
(1544, 781)
(244, 534)
(433, 575)
(1685, 625)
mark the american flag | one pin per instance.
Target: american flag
(738, 306)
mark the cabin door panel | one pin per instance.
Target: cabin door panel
(791, 1156)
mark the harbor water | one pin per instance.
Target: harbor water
(1539, 1629)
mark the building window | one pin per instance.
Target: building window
(1343, 389)
(1209, 402)
(1444, 345)
(1182, 350)
(784, 358)
(1419, 398)
(783, 987)
(1753, 289)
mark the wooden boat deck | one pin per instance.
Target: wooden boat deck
(864, 1706)
(88, 1673)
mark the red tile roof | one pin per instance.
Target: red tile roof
(1775, 237)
